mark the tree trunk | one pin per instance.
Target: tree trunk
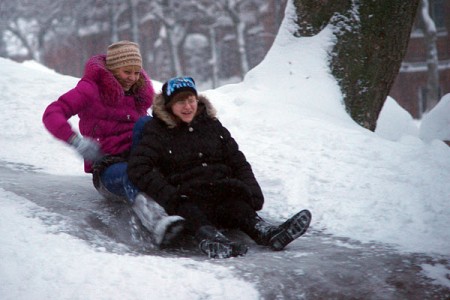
(240, 39)
(239, 29)
(173, 50)
(3, 51)
(134, 21)
(372, 38)
(214, 55)
(429, 30)
(114, 30)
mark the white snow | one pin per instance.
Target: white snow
(287, 115)
(438, 272)
(395, 122)
(436, 123)
(37, 262)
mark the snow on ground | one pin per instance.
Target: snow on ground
(37, 262)
(287, 115)
(436, 123)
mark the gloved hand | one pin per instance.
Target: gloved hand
(171, 206)
(87, 148)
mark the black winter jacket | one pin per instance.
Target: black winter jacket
(200, 160)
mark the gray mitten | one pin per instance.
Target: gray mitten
(87, 148)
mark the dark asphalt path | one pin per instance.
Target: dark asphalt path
(316, 266)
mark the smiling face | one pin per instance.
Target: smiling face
(185, 106)
(127, 76)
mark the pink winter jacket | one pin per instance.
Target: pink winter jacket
(106, 114)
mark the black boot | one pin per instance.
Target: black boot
(259, 230)
(216, 245)
(278, 237)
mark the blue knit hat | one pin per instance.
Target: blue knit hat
(177, 85)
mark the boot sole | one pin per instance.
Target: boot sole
(221, 250)
(215, 250)
(293, 229)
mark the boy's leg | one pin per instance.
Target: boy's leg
(211, 241)
(137, 130)
(115, 179)
(163, 227)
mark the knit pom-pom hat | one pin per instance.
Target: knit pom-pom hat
(123, 53)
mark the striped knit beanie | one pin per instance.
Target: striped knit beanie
(123, 53)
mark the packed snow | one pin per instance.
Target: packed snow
(391, 186)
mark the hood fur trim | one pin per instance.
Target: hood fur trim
(161, 111)
(110, 90)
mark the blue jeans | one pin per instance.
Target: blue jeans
(115, 178)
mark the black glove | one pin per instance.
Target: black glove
(87, 148)
(194, 190)
(174, 202)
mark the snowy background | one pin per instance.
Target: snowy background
(391, 186)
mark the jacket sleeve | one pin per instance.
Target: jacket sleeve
(144, 172)
(242, 169)
(57, 114)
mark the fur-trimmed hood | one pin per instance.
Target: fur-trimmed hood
(162, 112)
(110, 89)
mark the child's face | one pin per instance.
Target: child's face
(127, 76)
(185, 108)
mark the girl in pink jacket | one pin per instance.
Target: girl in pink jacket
(111, 101)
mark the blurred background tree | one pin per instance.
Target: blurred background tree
(214, 41)
(217, 42)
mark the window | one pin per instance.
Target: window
(423, 105)
(437, 12)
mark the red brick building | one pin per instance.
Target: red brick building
(410, 83)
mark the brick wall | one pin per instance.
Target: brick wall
(413, 73)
